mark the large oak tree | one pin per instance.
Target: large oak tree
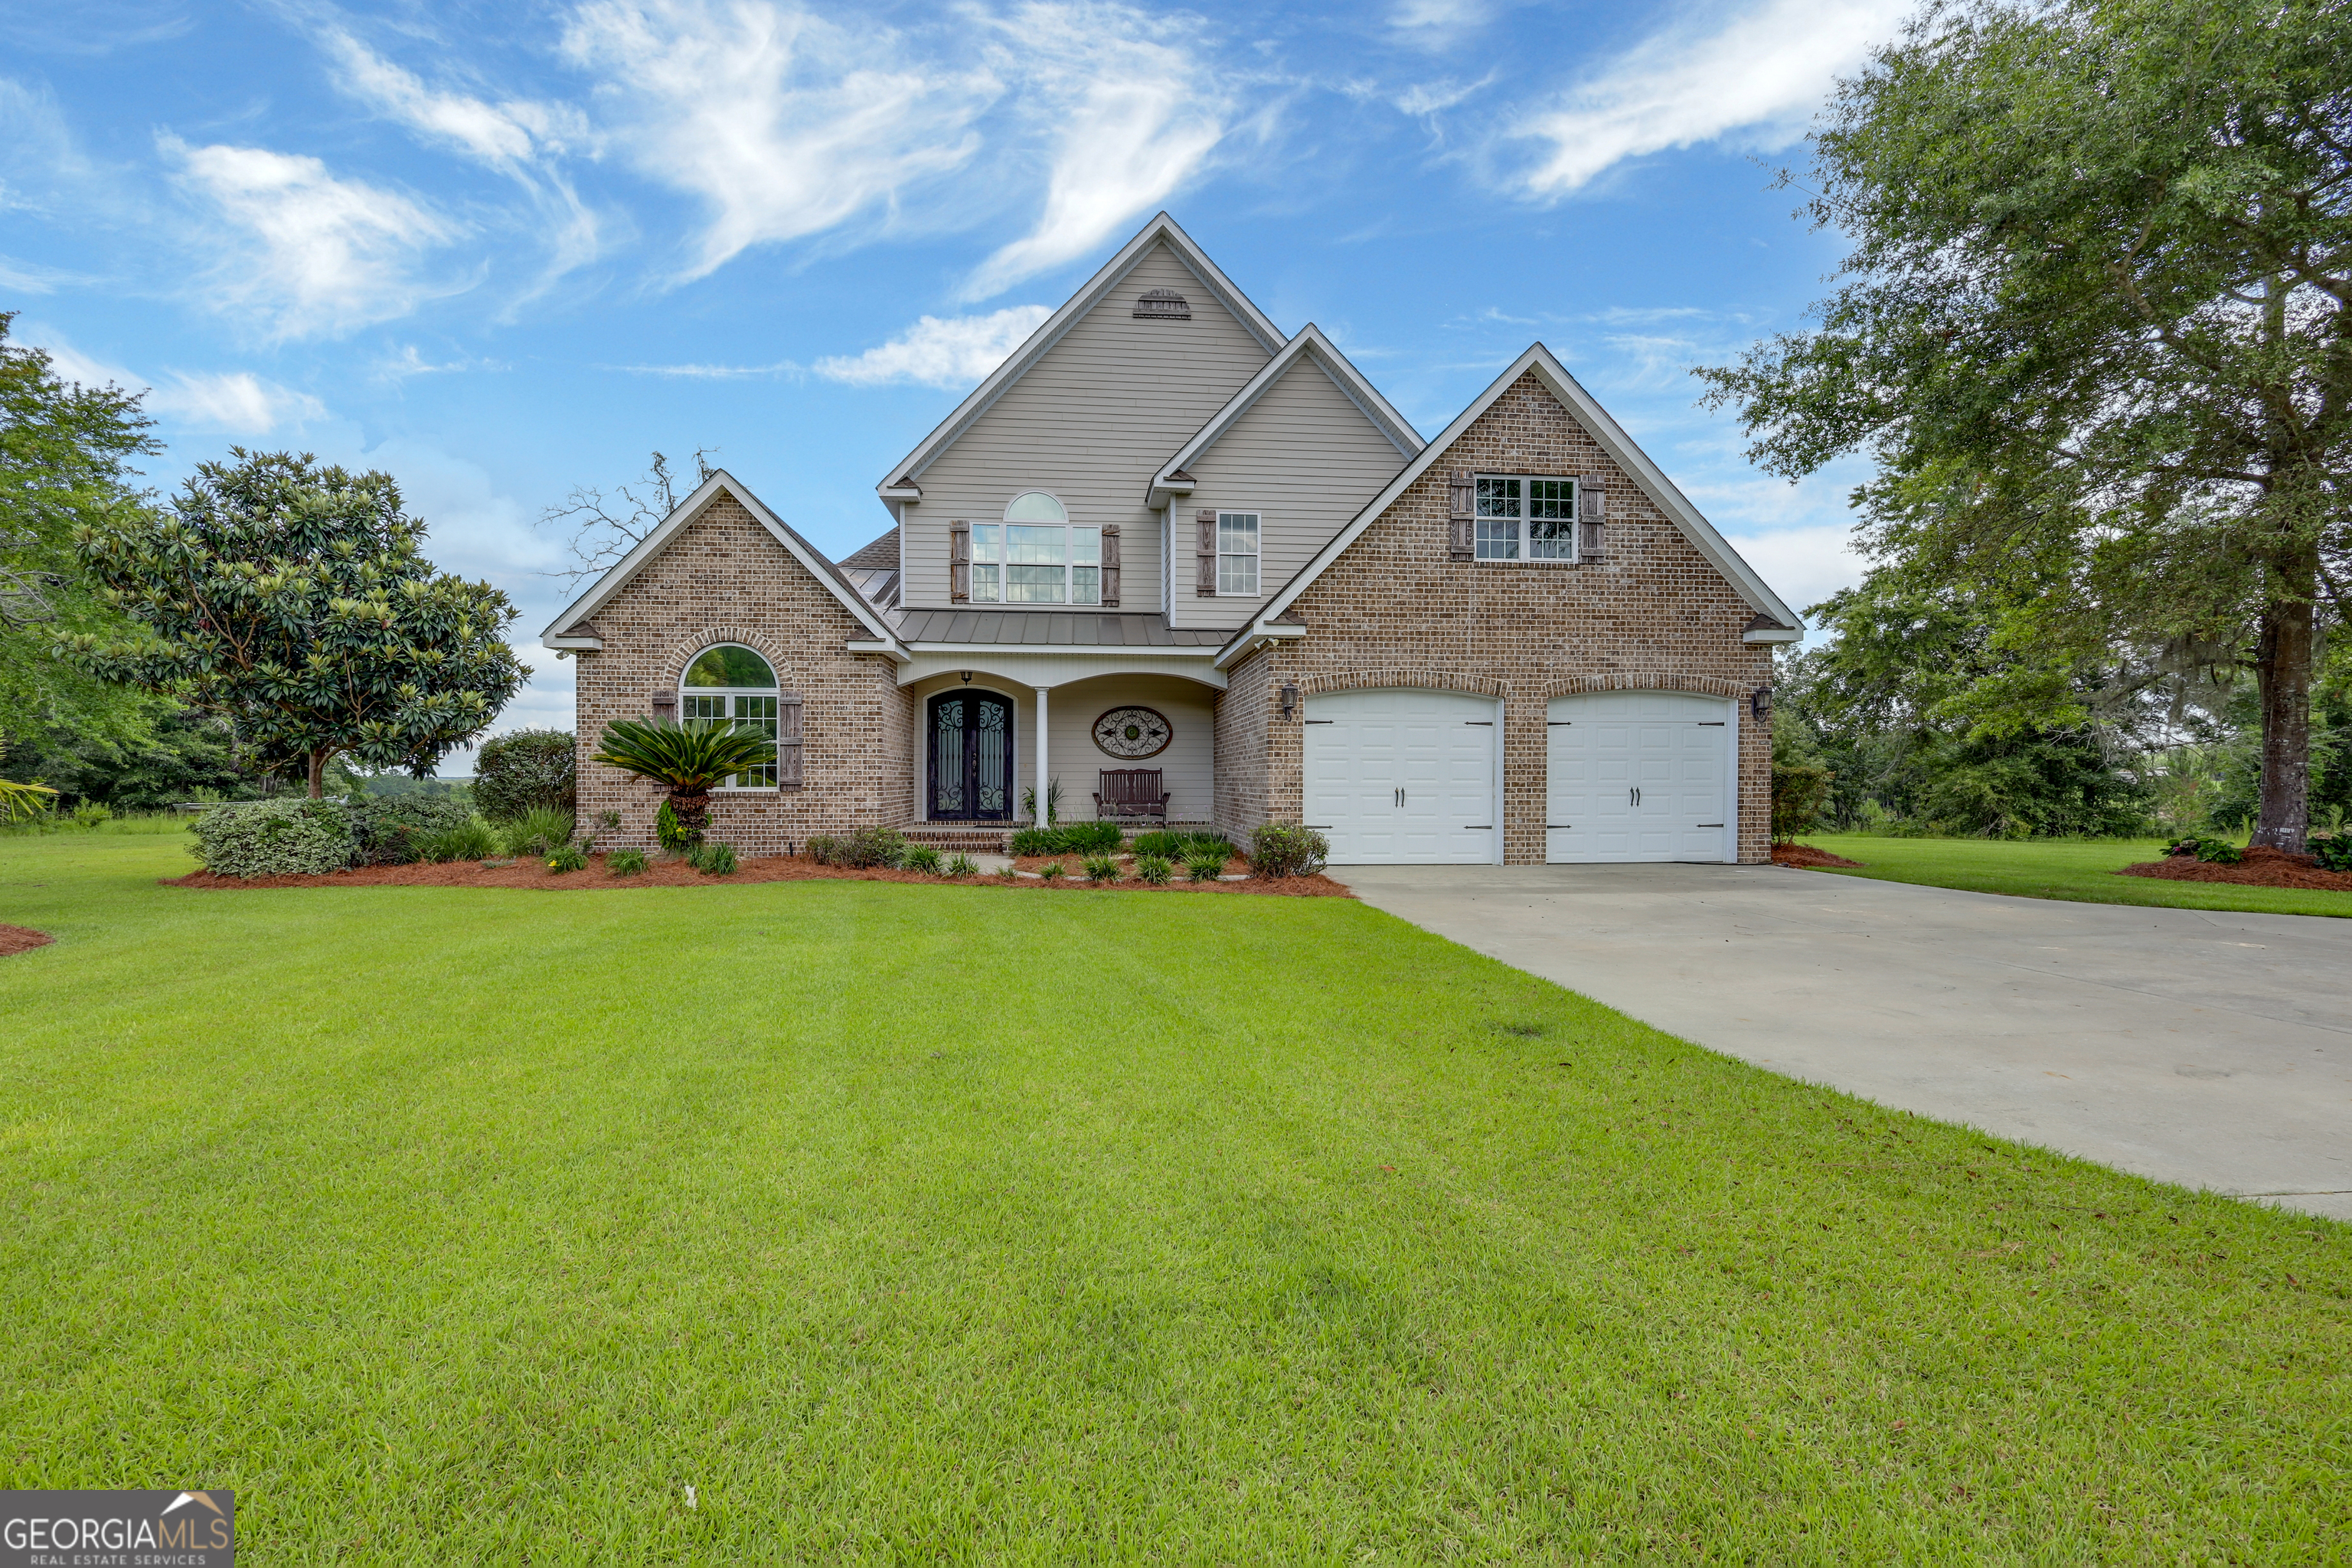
(2096, 329)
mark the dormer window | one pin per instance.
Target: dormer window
(1162, 305)
(1035, 556)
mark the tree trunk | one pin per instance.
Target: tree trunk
(318, 775)
(692, 810)
(2283, 673)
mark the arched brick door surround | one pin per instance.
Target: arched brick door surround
(684, 652)
(1698, 685)
(1418, 679)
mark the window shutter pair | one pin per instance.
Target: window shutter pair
(787, 742)
(1591, 516)
(959, 561)
(1461, 533)
(1206, 583)
(1110, 566)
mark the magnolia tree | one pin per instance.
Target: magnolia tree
(291, 599)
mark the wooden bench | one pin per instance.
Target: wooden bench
(1130, 792)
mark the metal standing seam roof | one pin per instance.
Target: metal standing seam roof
(1049, 628)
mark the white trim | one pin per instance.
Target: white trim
(1612, 440)
(1162, 228)
(618, 576)
(1523, 542)
(1311, 344)
(1258, 555)
(1773, 633)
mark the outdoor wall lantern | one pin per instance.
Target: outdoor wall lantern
(1289, 700)
(1759, 702)
(967, 678)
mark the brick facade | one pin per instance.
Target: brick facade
(724, 578)
(1394, 610)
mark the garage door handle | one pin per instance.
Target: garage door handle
(1710, 824)
(1562, 825)
(1477, 828)
(1632, 797)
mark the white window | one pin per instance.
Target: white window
(729, 683)
(1523, 518)
(1035, 556)
(1237, 552)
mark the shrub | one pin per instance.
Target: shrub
(1009, 871)
(391, 829)
(275, 838)
(1159, 841)
(1078, 838)
(1051, 870)
(1799, 791)
(569, 857)
(2332, 850)
(539, 831)
(868, 847)
(1153, 868)
(1217, 844)
(2219, 852)
(524, 770)
(1101, 868)
(1204, 867)
(961, 865)
(468, 840)
(924, 859)
(712, 859)
(625, 862)
(90, 814)
(673, 837)
(1287, 849)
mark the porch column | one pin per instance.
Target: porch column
(1043, 778)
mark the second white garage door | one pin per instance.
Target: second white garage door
(1638, 776)
(1403, 777)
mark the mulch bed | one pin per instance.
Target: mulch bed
(1805, 855)
(2263, 868)
(1075, 864)
(533, 873)
(22, 938)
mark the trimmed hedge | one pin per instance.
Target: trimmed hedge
(275, 838)
(523, 769)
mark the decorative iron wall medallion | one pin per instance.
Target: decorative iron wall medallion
(1132, 734)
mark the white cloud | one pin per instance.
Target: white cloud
(1803, 564)
(956, 351)
(325, 255)
(783, 122)
(1436, 23)
(233, 403)
(31, 278)
(1136, 110)
(710, 372)
(1763, 73)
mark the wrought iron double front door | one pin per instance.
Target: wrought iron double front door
(971, 757)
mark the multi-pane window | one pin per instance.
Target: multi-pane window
(730, 684)
(1035, 556)
(1521, 518)
(1237, 552)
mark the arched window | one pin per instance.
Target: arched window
(730, 681)
(1035, 556)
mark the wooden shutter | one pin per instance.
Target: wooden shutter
(1462, 528)
(1206, 583)
(960, 560)
(1591, 516)
(787, 742)
(1110, 565)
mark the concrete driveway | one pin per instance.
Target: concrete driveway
(2208, 1048)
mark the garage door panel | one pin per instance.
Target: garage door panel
(1638, 776)
(1423, 763)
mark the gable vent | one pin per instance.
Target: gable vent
(1162, 305)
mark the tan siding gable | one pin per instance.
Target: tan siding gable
(1091, 422)
(1305, 459)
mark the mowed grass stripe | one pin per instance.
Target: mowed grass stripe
(982, 1224)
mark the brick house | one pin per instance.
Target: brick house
(1168, 558)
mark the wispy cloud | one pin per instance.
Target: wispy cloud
(409, 362)
(31, 278)
(230, 402)
(783, 122)
(711, 372)
(320, 256)
(958, 350)
(1758, 76)
(1137, 106)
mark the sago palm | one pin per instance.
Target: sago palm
(690, 759)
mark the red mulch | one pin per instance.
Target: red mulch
(1075, 865)
(22, 938)
(2263, 868)
(533, 873)
(1806, 856)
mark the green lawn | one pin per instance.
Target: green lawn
(2079, 869)
(959, 1224)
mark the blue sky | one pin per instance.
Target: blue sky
(501, 251)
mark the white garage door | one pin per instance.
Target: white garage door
(1639, 775)
(1396, 776)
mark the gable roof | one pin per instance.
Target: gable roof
(566, 631)
(899, 482)
(1311, 346)
(881, 555)
(1539, 361)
